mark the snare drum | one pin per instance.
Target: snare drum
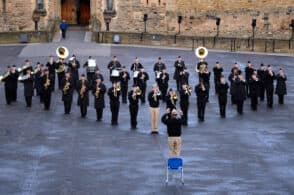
(115, 73)
(136, 74)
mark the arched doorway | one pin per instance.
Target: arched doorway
(76, 11)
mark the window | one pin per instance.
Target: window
(40, 4)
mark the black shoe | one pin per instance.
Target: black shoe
(154, 132)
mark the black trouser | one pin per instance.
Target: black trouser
(52, 81)
(8, 95)
(47, 101)
(28, 101)
(124, 93)
(134, 113)
(269, 98)
(114, 108)
(281, 99)
(143, 95)
(201, 109)
(261, 92)
(240, 106)
(254, 102)
(83, 108)
(63, 32)
(247, 89)
(178, 84)
(14, 93)
(135, 80)
(184, 108)
(222, 102)
(67, 106)
(41, 95)
(60, 77)
(90, 77)
(216, 83)
(99, 113)
(163, 89)
(233, 99)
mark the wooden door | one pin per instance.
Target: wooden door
(69, 11)
(84, 12)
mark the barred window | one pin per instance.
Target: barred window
(40, 4)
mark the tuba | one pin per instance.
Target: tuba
(62, 52)
(201, 52)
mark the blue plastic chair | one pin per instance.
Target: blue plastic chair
(175, 164)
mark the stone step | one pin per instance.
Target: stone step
(88, 37)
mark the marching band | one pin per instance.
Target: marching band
(256, 85)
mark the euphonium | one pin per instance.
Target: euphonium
(66, 87)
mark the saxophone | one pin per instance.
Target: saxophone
(47, 83)
(83, 89)
(97, 93)
(66, 88)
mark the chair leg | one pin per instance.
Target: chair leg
(166, 181)
(182, 176)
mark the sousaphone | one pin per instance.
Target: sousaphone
(201, 52)
(62, 52)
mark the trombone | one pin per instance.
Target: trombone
(2, 77)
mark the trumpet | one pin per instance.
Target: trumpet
(66, 88)
(4, 76)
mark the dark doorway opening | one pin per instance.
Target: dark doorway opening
(76, 12)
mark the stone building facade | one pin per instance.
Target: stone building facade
(198, 16)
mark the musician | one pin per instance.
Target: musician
(134, 96)
(114, 93)
(171, 99)
(74, 66)
(158, 67)
(60, 69)
(124, 82)
(269, 86)
(38, 73)
(98, 75)
(249, 70)
(184, 77)
(235, 66)
(90, 70)
(153, 97)
(254, 84)
(232, 78)
(217, 71)
(202, 64)
(201, 93)
(143, 77)
(185, 94)
(179, 67)
(67, 92)
(136, 67)
(51, 65)
(46, 87)
(281, 88)
(222, 89)
(99, 90)
(204, 74)
(27, 65)
(14, 83)
(240, 92)
(8, 86)
(28, 82)
(163, 83)
(261, 75)
(114, 65)
(174, 131)
(83, 88)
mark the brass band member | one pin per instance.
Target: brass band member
(143, 77)
(74, 66)
(184, 77)
(124, 82)
(83, 95)
(98, 90)
(38, 73)
(204, 74)
(28, 82)
(8, 86)
(114, 93)
(136, 68)
(47, 86)
(91, 67)
(179, 67)
(158, 67)
(134, 96)
(222, 90)
(60, 69)
(163, 83)
(261, 75)
(67, 92)
(114, 65)
(14, 73)
(269, 86)
(254, 83)
(201, 93)
(185, 94)
(249, 70)
(217, 71)
(240, 92)
(281, 88)
(171, 99)
(202, 64)
(153, 97)
(232, 77)
(51, 65)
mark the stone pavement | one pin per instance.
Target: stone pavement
(49, 153)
